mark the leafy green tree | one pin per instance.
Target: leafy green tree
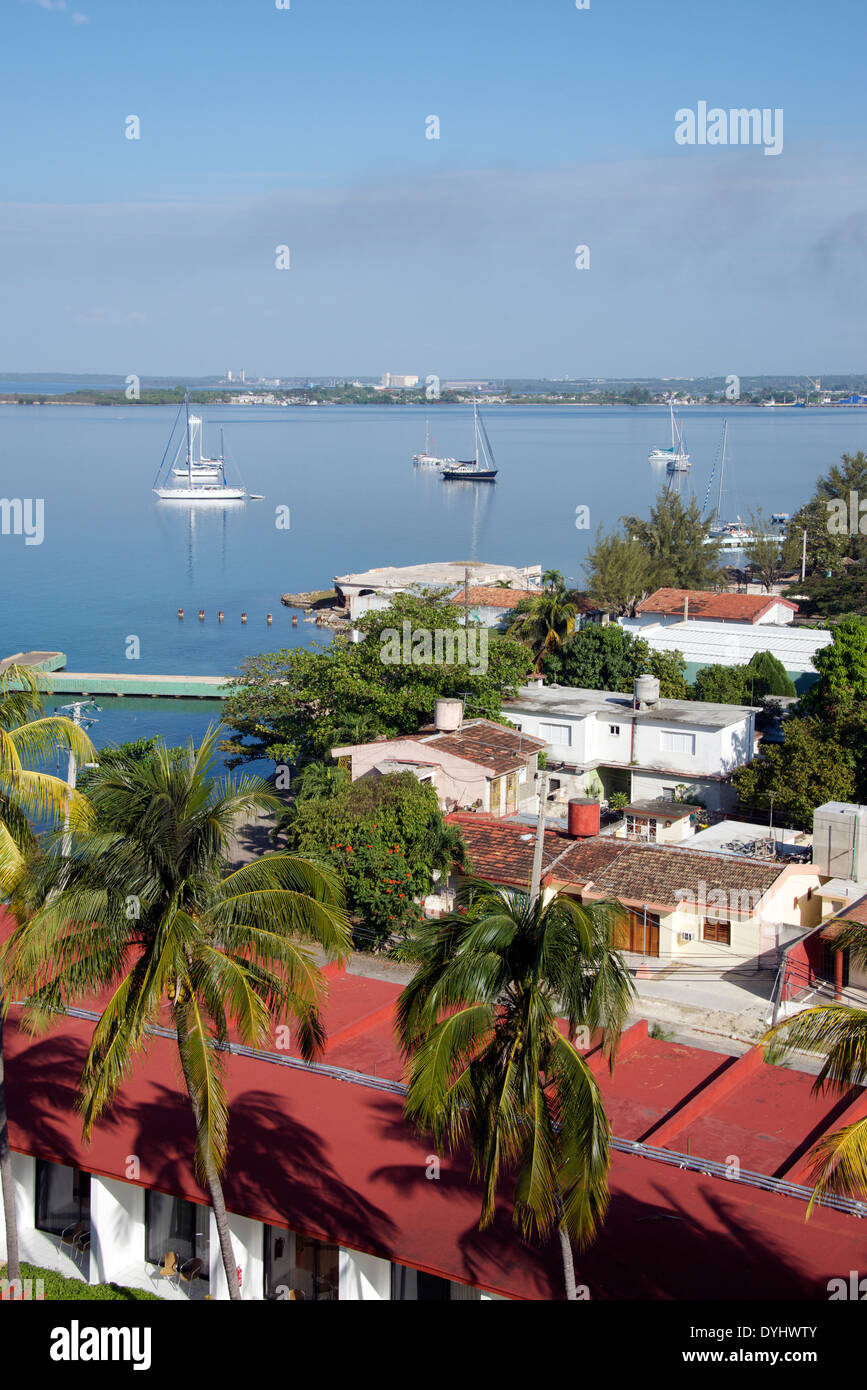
(812, 765)
(769, 558)
(142, 912)
(299, 704)
(722, 685)
(27, 794)
(543, 622)
(768, 676)
(674, 539)
(384, 836)
(618, 573)
(842, 668)
(841, 596)
(828, 544)
(554, 579)
(610, 657)
(489, 1066)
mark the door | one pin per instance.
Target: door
(629, 934)
(511, 792)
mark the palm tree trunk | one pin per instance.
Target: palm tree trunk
(13, 1266)
(212, 1177)
(565, 1251)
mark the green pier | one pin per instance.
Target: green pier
(58, 681)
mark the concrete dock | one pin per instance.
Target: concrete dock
(57, 681)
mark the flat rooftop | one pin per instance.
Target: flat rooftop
(578, 703)
(444, 572)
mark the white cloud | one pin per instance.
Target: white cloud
(59, 7)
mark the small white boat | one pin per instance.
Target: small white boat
(429, 458)
(675, 458)
(204, 479)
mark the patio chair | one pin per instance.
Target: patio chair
(190, 1270)
(169, 1267)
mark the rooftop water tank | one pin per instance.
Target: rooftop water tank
(583, 817)
(646, 691)
(448, 715)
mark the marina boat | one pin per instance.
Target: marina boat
(733, 537)
(675, 457)
(429, 458)
(199, 479)
(479, 469)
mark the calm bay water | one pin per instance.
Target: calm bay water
(116, 562)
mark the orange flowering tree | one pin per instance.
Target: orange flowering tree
(385, 837)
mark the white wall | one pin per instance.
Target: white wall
(117, 1226)
(364, 1277)
(248, 1247)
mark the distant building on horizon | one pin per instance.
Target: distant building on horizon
(402, 383)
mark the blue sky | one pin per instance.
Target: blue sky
(306, 127)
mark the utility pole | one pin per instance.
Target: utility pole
(804, 556)
(79, 721)
(536, 880)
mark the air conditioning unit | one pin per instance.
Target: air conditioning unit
(684, 936)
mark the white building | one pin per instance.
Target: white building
(374, 589)
(641, 745)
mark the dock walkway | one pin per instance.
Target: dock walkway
(57, 681)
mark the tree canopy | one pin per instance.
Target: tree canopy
(610, 658)
(383, 836)
(298, 704)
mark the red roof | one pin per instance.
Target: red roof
(702, 603)
(329, 1154)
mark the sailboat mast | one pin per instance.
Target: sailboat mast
(476, 430)
(722, 469)
(189, 439)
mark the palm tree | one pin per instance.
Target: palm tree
(27, 736)
(142, 906)
(544, 623)
(555, 580)
(489, 1065)
(839, 1033)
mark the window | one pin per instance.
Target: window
(642, 826)
(614, 730)
(300, 1268)
(556, 733)
(673, 741)
(62, 1198)
(414, 1285)
(720, 932)
(171, 1224)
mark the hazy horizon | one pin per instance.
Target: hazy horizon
(306, 128)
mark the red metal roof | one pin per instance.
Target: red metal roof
(703, 603)
(332, 1157)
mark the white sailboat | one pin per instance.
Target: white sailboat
(479, 469)
(675, 458)
(204, 479)
(733, 537)
(429, 458)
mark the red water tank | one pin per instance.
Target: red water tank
(583, 817)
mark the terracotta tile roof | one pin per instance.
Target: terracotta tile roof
(493, 597)
(737, 608)
(665, 874)
(502, 851)
(492, 746)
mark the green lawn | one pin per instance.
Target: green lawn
(59, 1289)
